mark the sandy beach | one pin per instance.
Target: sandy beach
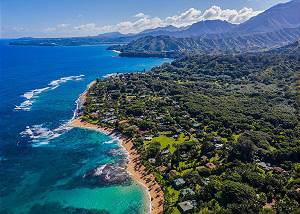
(138, 172)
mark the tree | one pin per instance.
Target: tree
(239, 197)
(287, 206)
(243, 150)
(153, 149)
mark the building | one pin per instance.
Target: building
(164, 151)
(265, 166)
(195, 125)
(205, 181)
(218, 145)
(204, 158)
(187, 192)
(148, 137)
(186, 207)
(179, 182)
(152, 160)
(278, 169)
(210, 165)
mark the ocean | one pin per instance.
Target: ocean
(45, 166)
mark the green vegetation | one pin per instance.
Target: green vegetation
(170, 46)
(224, 128)
(167, 142)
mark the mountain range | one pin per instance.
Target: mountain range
(274, 27)
(277, 26)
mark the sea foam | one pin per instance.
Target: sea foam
(39, 135)
(32, 95)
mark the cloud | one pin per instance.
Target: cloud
(140, 15)
(138, 25)
(58, 27)
(186, 18)
(233, 16)
(90, 28)
(141, 21)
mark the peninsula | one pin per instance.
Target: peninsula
(207, 133)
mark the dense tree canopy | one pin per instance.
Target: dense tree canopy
(226, 124)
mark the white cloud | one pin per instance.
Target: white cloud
(140, 15)
(233, 16)
(142, 21)
(58, 27)
(186, 18)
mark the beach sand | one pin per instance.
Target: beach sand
(138, 172)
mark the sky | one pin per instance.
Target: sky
(65, 18)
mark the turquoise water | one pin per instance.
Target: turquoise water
(45, 166)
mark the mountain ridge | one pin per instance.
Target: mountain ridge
(277, 26)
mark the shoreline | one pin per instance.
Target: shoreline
(137, 171)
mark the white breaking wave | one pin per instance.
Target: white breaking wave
(111, 141)
(39, 135)
(32, 95)
(99, 170)
(116, 51)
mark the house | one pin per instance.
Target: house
(164, 151)
(216, 140)
(162, 168)
(152, 160)
(210, 165)
(177, 183)
(170, 174)
(159, 118)
(278, 169)
(148, 137)
(205, 181)
(113, 121)
(264, 165)
(173, 173)
(94, 115)
(204, 158)
(196, 125)
(186, 206)
(218, 145)
(184, 156)
(187, 192)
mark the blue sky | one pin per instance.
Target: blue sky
(62, 18)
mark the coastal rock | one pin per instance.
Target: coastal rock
(116, 152)
(109, 174)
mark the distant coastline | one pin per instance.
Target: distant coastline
(134, 166)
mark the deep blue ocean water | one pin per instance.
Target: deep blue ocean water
(43, 163)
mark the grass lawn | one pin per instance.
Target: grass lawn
(171, 141)
(176, 211)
